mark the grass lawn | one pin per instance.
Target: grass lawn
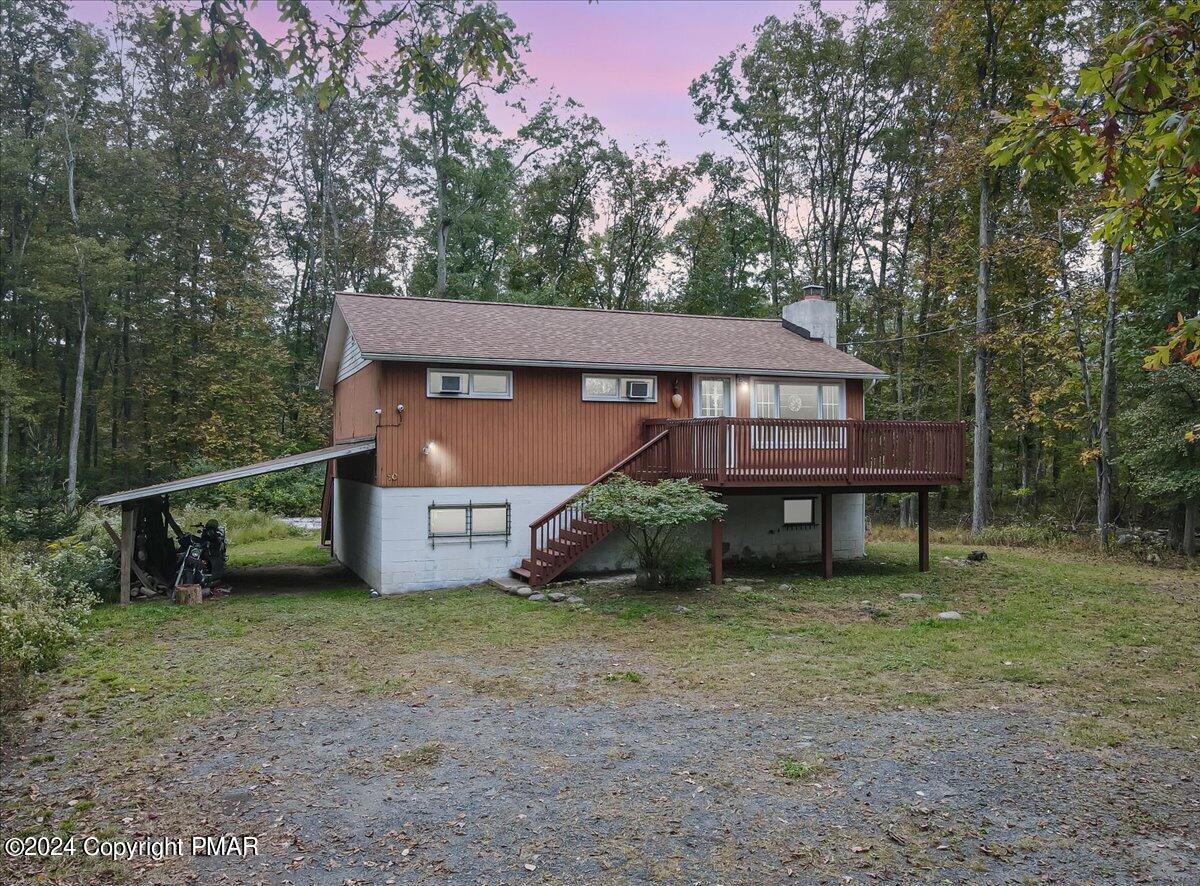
(1114, 647)
(303, 549)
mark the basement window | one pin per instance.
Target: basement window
(799, 511)
(478, 384)
(490, 520)
(621, 388)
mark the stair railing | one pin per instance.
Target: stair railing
(647, 462)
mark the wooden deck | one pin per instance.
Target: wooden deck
(731, 453)
(745, 454)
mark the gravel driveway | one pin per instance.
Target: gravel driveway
(597, 772)
(465, 788)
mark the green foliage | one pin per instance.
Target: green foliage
(43, 603)
(1133, 123)
(89, 570)
(651, 516)
(293, 493)
(320, 52)
(1164, 466)
(242, 527)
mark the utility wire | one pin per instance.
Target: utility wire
(1016, 310)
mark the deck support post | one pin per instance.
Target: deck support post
(827, 535)
(923, 530)
(718, 551)
(128, 529)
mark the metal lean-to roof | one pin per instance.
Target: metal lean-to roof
(339, 450)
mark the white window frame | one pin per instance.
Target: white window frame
(819, 382)
(812, 510)
(730, 394)
(621, 381)
(776, 438)
(470, 393)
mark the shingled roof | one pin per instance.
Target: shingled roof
(504, 334)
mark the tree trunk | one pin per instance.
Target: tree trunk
(1190, 509)
(81, 362)
(1085, 376)
(1108, 397)
(443, 215)
(5, 422)
(76, 412)
(983, 435)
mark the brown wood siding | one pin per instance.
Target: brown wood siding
(547, 434)
(355, 400)
(854, 399)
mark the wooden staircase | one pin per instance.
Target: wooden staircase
(564, 534)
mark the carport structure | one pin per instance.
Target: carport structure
(133, 501)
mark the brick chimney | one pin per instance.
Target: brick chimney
(813, 316)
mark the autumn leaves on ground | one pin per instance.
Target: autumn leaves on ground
(1096, 659)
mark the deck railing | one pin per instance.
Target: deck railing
(810, 452)
(647, 463)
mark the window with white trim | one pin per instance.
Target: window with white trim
(799, 511)
(621, 388)
(481, 384)
(785, 399)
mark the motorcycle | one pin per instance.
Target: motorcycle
(201, 556)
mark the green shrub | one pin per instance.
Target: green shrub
(651, 516)
(89, 569)
(292, 493)
(43, 601)
(36, 523)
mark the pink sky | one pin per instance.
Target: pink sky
(629, 62)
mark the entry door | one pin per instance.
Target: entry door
(714, 399)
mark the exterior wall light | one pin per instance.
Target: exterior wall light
(427, 448)
(676, 397)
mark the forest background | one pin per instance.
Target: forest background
(1000, 195)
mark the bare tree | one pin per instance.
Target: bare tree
(81, 362)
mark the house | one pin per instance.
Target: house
(488, 419)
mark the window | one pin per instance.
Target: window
(489, 520)
(470, 521)
(714, 397)
(448, 521)
(484, 384)
(799, 511)
(797, 400)
(624, 388)
(778, 399)
(601, 387)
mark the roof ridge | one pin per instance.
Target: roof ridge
(518, 304)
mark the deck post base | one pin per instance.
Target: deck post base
(827, 535)
(923, 530)
(718, 551)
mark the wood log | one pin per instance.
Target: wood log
(189, 595)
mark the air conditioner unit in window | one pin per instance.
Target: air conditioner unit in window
(637, 390)
(451, 384)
